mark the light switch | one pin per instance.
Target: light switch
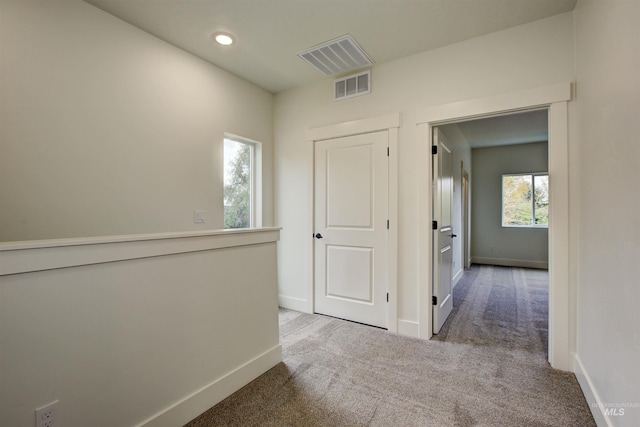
(199, 216)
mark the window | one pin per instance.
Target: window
(525, 200)
(241, 158)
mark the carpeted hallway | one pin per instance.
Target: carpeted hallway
(487, 367)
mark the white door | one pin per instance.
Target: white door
(443, 231)
(351, 236)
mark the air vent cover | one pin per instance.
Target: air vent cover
(337, 56)
(354, 85)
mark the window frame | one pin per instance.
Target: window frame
(533, 176)
(255, 178)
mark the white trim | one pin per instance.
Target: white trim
(555, 98)
(508, 102)
(392, 272)
(425, 214)
(355, 127)
(591, 396)
(389, 123)
(456, 278)
(291, 303)
(408, 328)
(561, 340)
(509, 262)
(195, 404)
(42, 255)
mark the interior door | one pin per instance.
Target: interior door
(443, 230)
(351, 235)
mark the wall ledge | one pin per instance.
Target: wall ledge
(39, 255)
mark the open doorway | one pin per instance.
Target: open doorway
(554, 98)
(500, 301)
(510, 224)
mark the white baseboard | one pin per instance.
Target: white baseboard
(409, 328)
(507, 262)
(457, 277)
(292, 303)
(200, 401)
(590, 394)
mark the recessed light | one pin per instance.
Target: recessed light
(223, 38)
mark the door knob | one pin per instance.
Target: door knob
(454, 235)
(318, 236)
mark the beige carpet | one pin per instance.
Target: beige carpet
(487, 368)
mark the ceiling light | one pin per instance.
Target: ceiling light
(223, 38)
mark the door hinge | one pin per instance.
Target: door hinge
(387, 224)
(434, 149)
(434, 300)
(387, 151)
(434, 225)
(387, 296)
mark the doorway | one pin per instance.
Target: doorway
(555, 98)
(317, 287)
(504, 232)
(351, 242)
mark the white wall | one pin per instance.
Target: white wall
(461, 156)
(529, 56)
(146, 330)
(108, 130)
(607, 38)
(518, 247)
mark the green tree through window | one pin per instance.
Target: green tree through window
(525, 200)
(237, 184)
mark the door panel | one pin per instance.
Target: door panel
(443, 235)
(351, 211)
(350, 187)
(350, 273)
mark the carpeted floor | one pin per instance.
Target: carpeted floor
(500, 307)
(487, 367)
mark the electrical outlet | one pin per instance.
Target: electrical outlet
(491, 249)
(46, 416)
(199, 216)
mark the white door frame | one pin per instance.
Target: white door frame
(554, 98)
(390, 123)
(465, 195)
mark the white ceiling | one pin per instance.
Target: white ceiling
(270, 33)
(519, 128)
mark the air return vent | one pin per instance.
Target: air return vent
(350, 86)
(337, 56)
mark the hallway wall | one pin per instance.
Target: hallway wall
(606, 162)
(524, 57)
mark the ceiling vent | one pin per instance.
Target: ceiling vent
(350, 86)
(337, 56)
